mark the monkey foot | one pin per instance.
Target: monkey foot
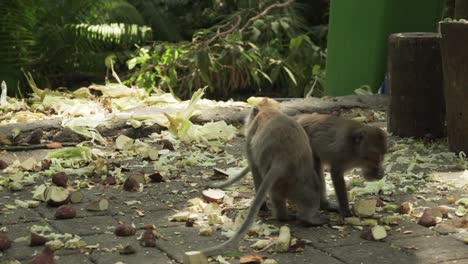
(316, 220)
(346, 212)
(331, 207)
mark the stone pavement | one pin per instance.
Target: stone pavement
(406, 243)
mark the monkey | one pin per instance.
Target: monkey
(280, 159)
(342, 144)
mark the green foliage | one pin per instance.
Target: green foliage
(177, 20)
(66, 41)
(260, 48)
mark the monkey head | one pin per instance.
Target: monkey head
(371, 146)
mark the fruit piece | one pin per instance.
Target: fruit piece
(427, 219)
(251, 259)
(261, 244)
(29, 164)
(443, 211)
(147, 239)
(284, 238)
(65, 212)
(45, 257)
(3, 165)
(5, 242)
(364, 208)
(166, 144)
(354, 221)
(378, 232)
(36, 240)
(195, 257)
(124, 230)
(40, 193)
(205, 231)
(60, 179)
(109, 180)
(123, 142)
(405, 208)
(139, 177)
(54, 145)
(15, 186)
(98, 205)
(76, 197)
(56, 196)
(45, 164)
(156, 177)
(131, 184)
(213, 195)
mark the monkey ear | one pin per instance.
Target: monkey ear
(358, 135)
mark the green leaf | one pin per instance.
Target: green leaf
(284, 23)
(316, 69)
(295, 43)
(265, 76)
(290, 74)
(275, 26)
(255, 34)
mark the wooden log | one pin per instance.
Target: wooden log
(454, 51)
(415, 81)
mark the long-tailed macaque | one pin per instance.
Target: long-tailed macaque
(342, 144)
(282, 165)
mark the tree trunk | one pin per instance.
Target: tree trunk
(415, 81)
(461, 9)
(454, 51)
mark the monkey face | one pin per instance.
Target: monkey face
(371, 147)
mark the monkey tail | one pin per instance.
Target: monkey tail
(267, 183)
(231, 180)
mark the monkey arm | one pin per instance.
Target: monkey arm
(340, 190)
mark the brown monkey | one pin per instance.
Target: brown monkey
(343, 144)
(281, 162)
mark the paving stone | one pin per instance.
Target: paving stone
(325, 237)
(48, 212)
(146, 256)
(110, 241)
(145, 201)
(398, 231)
(372, 253)
(178, 240)
(433, 249)
(75, 258)
(157, 218)
(182, 239)
(20, 215)
(85, 226)
(22, 251)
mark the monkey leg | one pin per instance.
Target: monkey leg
(257, 179)
(279, 205)
(324, 203)
(340, 190)
(307, 197)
